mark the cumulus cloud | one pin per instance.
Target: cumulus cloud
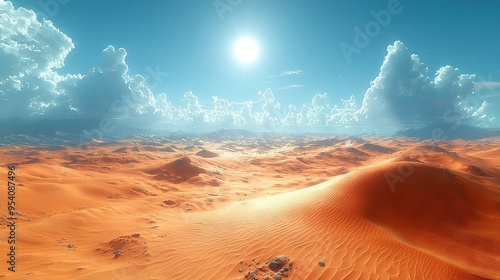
(31, 87)
(402, 92)
(345, 114)
(30, 53)
(108, 92)
(114, 60)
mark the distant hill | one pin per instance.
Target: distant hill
(230, 134)
(17, 131)
(46, 127)
(445, 131)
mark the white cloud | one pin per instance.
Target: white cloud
(347, 114)
(111, 92)
(288, 73)
(114, 60)
(292, 87)
(31, 87)
(30, 52)
(403, 93)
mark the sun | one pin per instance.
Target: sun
(246, 50)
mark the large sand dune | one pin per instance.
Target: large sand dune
(336, 208)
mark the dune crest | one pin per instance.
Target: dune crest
(177, 171)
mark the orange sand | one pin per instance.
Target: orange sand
(382, 209)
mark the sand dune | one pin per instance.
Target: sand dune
(177, 171)
(206, 154)
(331, 208)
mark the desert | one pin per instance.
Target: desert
(294, 207)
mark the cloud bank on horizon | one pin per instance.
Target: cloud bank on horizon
(31, 87)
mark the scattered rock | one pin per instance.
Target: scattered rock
(251, 276)
(278, 263)
(278, 268)
(241, 270)
(321, 263)
(117, 253)
(135, 234)
(169, 202)
(71, 245)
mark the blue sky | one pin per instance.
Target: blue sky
(300, 54)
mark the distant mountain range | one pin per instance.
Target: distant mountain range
(445, 131)
(16, 131)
